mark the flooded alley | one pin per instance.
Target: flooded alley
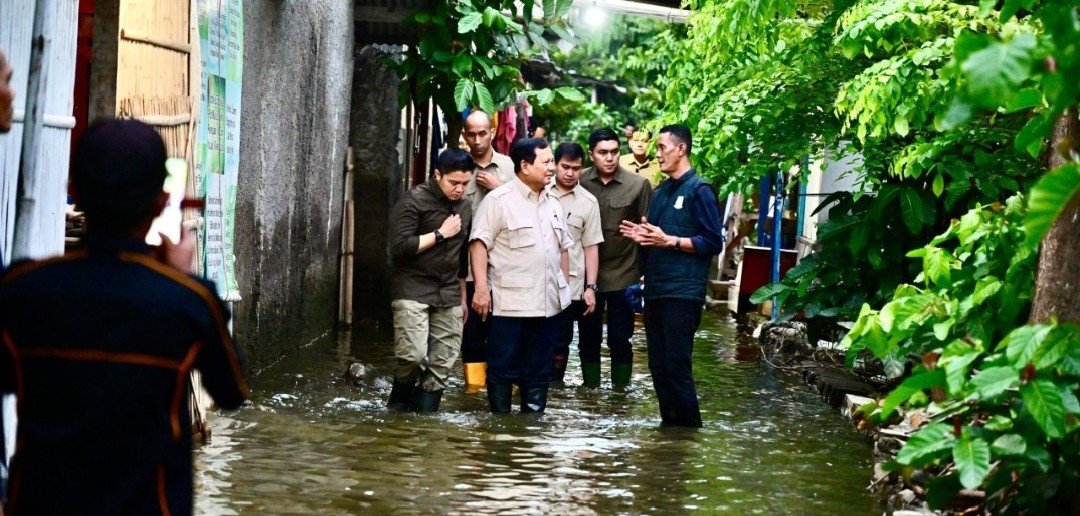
(312, 442)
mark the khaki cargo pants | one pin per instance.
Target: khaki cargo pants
(427, 341)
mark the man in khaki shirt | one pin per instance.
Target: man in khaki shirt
(622, 195)
(582, 215)
(492, 170)
(519, 242)
(638, 160)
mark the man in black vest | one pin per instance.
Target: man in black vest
(679, 237)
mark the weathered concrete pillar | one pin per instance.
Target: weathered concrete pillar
(380, 179)
(298, 62)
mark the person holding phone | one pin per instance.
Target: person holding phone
(98, 344)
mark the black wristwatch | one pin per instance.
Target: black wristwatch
(592, 287)
(439, 237)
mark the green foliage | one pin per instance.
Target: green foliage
(631, 55)
(469, 52)
(1001, 394)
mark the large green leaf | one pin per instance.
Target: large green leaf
(1020, 344)
(1043, 401)
(972, 458)
(470, 22)
(484, 97)
(990, 383)
(926, 445)
(545, 96)
(462, 64)
(995, 73)
(491, 16)
(571, 94)
(937, 266)
(911, 210)
(767, 292)
(909, 387)
(984, 288)
(1048, 198)
(1009, 444)
(463, 92)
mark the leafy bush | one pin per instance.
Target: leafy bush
(1002, 395)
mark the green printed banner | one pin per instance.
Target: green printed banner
(217, 152)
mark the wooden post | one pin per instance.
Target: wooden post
(39, 219)
(348, 240)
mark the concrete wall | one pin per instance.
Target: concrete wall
(294, 134)
(378, 141)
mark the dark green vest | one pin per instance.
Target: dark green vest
(669, 273)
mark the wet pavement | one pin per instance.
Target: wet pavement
(313, 442)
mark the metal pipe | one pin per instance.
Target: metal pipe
(778, 223)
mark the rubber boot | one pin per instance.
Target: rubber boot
(620, 375)
(533, 399)
(424, 401)
(401, 395)
(558, 369)
(590, 373)
(500, 396)
(475, 376)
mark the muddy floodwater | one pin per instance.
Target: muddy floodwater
(312, 442)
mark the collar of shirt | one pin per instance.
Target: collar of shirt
(557, 192)
(437, 192)
(527, 192)
(689, 173)
(617, 177)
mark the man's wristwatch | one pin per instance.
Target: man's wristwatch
(439, 237)
(592, 287)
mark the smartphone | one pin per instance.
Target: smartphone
(170, 221)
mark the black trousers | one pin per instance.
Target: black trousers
(520, 350)
(670, 325)
(620, 327)
(573, 313)
(474, 335)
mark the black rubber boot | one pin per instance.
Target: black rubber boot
(424, 401)
(590, 375)
(558, 369)
(620, 376)
(533, 399)
(499, 396)
(401, 395)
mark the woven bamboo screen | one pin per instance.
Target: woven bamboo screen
(153, 69)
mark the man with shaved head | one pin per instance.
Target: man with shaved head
(492, 170)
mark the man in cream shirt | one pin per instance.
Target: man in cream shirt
(519, 259)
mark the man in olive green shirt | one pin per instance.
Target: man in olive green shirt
(622, 195)
(638, 160)
(492, 170)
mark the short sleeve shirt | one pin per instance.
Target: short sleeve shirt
(502, 167)
(525, 235)
(625, 197)
(582, 215)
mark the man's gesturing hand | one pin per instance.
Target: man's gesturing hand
(645, 234)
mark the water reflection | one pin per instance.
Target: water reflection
(313, 442)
